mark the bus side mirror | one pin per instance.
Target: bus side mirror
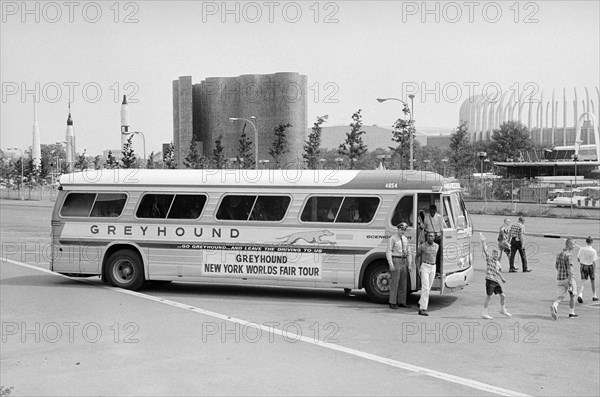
(461, 222)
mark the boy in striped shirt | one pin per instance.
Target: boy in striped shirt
(492, 280)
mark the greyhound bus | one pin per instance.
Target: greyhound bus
(289, 228)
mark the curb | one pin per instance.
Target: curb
(563, 236)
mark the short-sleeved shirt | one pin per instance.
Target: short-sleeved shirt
(398, 247)
(427, 252)
(492, 272)
(564, 261)
(587, 255)
(433, 224)
(516, 231)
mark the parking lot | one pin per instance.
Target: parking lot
(184, 338)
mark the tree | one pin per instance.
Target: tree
(169, 157)
(460, 155)
(150, 162)
(511, 138)
(354, 147)
(403, 130)
(111, 161)
(194, 159)
(218, 155)
(97, 160)
(129, 159)
(245, 155)
(82, 162)
(279, 145)
(429, 158)
(312, 147)
(18, 167)
(53, 159)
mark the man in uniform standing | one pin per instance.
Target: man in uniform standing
(399, 260)
(426, 254)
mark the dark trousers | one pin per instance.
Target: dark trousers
(514, 247)
(399, 286)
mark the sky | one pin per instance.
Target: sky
(91, 53)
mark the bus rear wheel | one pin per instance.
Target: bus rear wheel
(377, 282)
(124, 269)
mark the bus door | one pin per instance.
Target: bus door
(424, 201)
(405, 212)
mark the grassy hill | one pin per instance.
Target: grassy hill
(375, 136)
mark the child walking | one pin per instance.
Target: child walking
(492, 280)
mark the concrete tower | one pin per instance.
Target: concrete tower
(36, 151)
(201, 113)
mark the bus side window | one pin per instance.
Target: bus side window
(357, 210)
(78, 204)
(154, 206)
(187, 206)
(321, 209)
(235, 207)
(270, 208)
(403, 211)
(109, 205)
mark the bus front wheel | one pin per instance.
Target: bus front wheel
(377, 282)
(125, 270)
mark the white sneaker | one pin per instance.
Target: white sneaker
(507, 314)
(486, 315)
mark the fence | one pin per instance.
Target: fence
(527, 197)
(37, 193)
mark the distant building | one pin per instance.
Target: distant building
(551, 122)
(201, 112)
(439, 141)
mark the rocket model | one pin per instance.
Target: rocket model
(70, 139)
(36, 151)
(124, 121)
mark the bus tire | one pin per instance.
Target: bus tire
(377, 282)
(124, 269)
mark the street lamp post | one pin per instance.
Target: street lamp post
(444, 161)
(426, 164)
(412, 117)
(575, 158)
(57, 155)
(232, 119)
(382, 158)
(410, 111)
(263, 162)
(482, 156)
(22, 176)
(68, 153)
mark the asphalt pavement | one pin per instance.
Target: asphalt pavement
(63, 336)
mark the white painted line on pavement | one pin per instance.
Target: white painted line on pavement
(291, 336)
